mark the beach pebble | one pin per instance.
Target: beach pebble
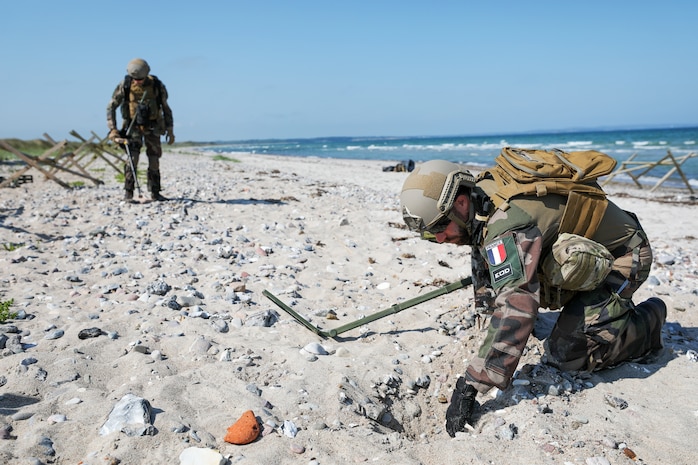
(44, 447)
(189, 301)
(264, 319)
(297, 448)
(342, 352)
(89, 333)
(158, 288)
(423, 381)
(131, 415)
(412, 409)
(315, 348)
(201, 345)
(201, 456)
(665, 259)
(616, 402)
(57, 334)
(289, 428)
(22, 415)
(220, 326)
(597, 461)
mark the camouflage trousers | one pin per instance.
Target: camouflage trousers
(601, 328)
(153, 149)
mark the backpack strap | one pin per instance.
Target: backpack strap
(157, 85)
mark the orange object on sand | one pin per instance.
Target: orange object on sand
(243, 431)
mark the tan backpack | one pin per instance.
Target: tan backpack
(542, 172)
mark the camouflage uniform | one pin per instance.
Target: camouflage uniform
(159, 120)
(595, 329)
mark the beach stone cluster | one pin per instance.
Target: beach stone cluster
(140, 331)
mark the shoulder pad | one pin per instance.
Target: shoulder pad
(501, 221)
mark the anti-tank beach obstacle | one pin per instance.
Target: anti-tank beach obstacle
(637, 169)
(63, 158)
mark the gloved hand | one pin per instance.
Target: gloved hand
(461, 408)
(169, 136)
(114, 135)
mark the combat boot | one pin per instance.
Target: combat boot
(158, 197)
(643, 342)
(128, 196)
(656, 308)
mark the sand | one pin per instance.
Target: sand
(173, 293)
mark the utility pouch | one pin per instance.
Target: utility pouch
(142, 114)
(577, 263)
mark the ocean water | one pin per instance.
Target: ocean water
(646, 145)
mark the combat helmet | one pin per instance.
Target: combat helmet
(138, 68)
(428, 194)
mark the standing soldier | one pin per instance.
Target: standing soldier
(145, 116)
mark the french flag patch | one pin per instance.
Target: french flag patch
(496, 253)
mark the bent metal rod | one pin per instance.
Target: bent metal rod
(376, 316)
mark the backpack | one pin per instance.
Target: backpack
(520, 172)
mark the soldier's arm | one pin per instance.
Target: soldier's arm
(116, 100)
(512, 259)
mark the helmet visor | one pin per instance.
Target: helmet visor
(416, 223)
(454, 180)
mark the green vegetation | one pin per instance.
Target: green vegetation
(10, 246)
(5, 313)
(224, 158)
(142, 178)
(32, 147)
(36, 147)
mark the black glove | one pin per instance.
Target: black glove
(461, 408)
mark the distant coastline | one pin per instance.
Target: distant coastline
(541, 132)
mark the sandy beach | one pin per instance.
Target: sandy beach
(164, 302)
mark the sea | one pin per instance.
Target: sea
(638, 145)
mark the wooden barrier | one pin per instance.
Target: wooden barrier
(631, 168)
(59, 159)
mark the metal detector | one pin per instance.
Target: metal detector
(133, 169)
(396, 308)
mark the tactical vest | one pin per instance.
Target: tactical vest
(150, 105)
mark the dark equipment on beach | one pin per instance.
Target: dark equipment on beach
(125, 141)
(407, 165)
(396, 308)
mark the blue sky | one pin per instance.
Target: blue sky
(285, 69)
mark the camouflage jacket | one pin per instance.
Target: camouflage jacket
(514, 245)
(159, 111)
